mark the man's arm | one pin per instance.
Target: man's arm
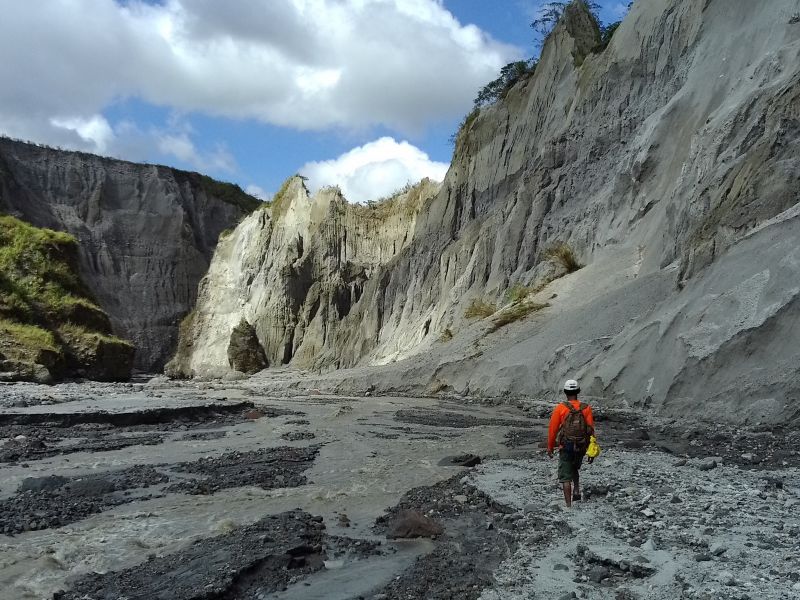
(555, 424)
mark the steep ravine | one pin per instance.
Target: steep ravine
(669, 164)
(146, 233)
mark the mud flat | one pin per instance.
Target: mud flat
(189, 490)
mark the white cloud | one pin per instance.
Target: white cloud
(181, 146)
(374, 170)
(258, 192)
(308, 64)
(619, 9)
(95, 130)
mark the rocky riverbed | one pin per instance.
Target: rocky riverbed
(157, 489)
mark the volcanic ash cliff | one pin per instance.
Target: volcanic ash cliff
(291, 273)
(668, 164)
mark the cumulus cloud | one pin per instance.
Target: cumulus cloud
(258, 192)
(181, 146)
(308, 64)
(94, 131)
(374, 170)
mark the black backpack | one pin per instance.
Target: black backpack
(575, 431)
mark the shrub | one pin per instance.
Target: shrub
(509, 75)
(606, 33)
(446, 336)
(515, 312)
(563, 254)
(518, 292)
(41, 294)
(550, 14)
(480, 309)
(460, 135)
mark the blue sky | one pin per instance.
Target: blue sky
(362, 93)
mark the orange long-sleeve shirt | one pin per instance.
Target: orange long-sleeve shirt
(560, 413)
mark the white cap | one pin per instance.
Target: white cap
(571, 386)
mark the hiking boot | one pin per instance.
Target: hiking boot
(577, 497)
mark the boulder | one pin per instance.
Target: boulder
(411, 524)
(461, 460)
(245, 353)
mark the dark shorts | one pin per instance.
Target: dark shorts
(568, 465)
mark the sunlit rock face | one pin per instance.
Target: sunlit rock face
(294, 271)
(667, 162)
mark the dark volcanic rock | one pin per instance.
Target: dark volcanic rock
(247, 563)
(465, 554)
(55, 501)
(49, 434)
(266, 468)
(293, 436)
(245, 353)
(523, 437)
(146, 233)
(461, 460)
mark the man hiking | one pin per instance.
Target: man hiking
(571, 426)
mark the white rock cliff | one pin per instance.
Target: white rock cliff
(669, 162)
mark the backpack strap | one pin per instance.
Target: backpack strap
(571, 408)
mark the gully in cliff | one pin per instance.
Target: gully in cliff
(572, 428)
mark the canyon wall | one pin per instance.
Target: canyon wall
(666, 162)
(293, 272)
(145, 233)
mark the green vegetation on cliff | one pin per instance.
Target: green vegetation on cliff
(221, 190)
(49, 324)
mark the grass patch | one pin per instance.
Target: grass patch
(446, 336)
(460, 137)
(20, 341)
(280, 201)
(407, 200)
(37, 272)
(563, 254)
(518, 292)
(83, 334)
(479, 309)
(44, 306)
(514, 313)
(230, 193)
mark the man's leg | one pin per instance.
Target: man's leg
(576, 488)
(565, 475)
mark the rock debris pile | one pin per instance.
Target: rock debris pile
(650, 526)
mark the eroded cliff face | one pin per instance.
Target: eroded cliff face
(294, 272)
(145, 233)
(668, 162)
